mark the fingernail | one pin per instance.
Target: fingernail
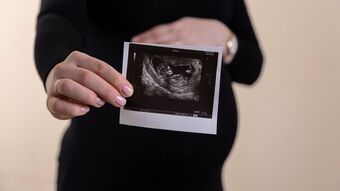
(120, 101)
(127, 91)
(85, 109)
(100, 102)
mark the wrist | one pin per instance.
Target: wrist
(230, 48)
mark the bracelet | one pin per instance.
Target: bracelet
(231, 49)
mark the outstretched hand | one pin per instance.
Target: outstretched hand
(81, 81)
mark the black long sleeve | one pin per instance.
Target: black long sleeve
(60, 30)
(247, 63)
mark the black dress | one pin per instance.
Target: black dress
(99, 154)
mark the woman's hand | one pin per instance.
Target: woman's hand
(82, 81)
(188, 31)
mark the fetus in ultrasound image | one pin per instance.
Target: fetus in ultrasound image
(171, 77)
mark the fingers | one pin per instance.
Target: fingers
(99, 80)
(81, 81)
(62, 109)
(161, 34)
(187, 31)
(71, 89)
(98, 85)
(104, 71)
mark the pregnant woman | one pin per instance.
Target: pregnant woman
(78, 53)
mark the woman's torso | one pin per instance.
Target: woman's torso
(106, 154)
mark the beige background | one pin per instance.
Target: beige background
(289, 133)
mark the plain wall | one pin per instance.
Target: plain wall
(289, 133)
(289, 125)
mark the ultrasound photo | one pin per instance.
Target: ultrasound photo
(171, 82)
(171, 77)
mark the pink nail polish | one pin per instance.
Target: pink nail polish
(127, 91)
(85, 109)
(120, 101)
(100, 102)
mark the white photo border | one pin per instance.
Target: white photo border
(168, 121)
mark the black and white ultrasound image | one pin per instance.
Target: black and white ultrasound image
(171, 81)
(172, 77)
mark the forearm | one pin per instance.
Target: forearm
(58, 33)
(56, 38)
(246, 64)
